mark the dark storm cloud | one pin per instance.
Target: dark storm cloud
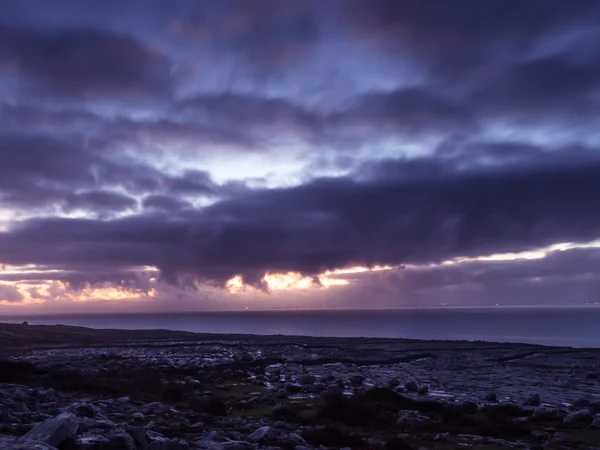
(222, 80)
(99, 201)
(454, 38)
(38, 171)
(82, 62)
(331, 223)
(164, 203)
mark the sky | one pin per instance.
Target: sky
(163, 155)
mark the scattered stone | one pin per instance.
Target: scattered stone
(138, 416)
(55, 430)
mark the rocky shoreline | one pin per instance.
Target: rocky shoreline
(72, 388)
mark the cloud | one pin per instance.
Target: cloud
(10, 294)
(82, 63)
(164, 203)
(331, 223)
(99, 201)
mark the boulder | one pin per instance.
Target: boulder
(423, 390)
(13, 443)
(262, 434)
(581, 417)
(55, 430)
(596, 422)
(411, 386)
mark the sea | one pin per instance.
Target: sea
(558, 326)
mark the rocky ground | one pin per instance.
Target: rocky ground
(73, 388)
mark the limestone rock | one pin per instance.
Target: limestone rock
(55, 430)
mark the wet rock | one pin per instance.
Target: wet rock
(532, 400)
(55, 430)
(411, 386)
(411, 419)
(581, 417)
(138, 416)
(596, 422)
(356, 379)
(262, 434)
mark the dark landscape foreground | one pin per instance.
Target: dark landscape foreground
(75, 388)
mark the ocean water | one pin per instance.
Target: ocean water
(564, 326)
